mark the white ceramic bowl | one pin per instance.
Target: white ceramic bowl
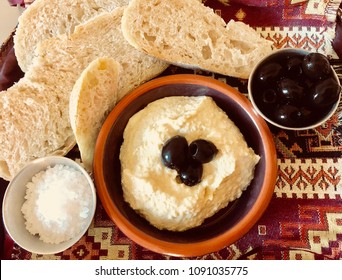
(253, 94)
(15, 196)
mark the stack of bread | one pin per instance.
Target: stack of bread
(76, 51)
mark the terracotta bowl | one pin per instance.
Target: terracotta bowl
(226, 226)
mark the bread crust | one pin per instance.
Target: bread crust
(191, 35)
(93, 96)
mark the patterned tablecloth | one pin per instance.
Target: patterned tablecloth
(304, 218)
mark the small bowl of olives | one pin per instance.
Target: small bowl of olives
(227, 225)
(294, 89)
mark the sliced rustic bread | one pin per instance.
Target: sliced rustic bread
(34, 119)
(101, 36)
(32, 124)
(92, 98)
(189, 34)
(44, 19)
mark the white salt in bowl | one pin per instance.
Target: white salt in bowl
(14, 199)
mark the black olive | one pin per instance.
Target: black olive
(175, 152)
(294, 66)
(270, 72)
(307, 83)
(287, 115)
(269, 96)
(316, 66)
(290, 90)
(202, 150)
(191, 174)
(324, 93)
(305, 116)
(293, 116)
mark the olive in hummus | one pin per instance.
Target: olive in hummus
(154, 190)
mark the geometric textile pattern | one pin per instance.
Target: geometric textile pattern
(316, 234)
(320, 142)
(326, 241)
(308, 229)
(317, 39)
(309, 25)
(309, 178)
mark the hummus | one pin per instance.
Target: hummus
(152, 189)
